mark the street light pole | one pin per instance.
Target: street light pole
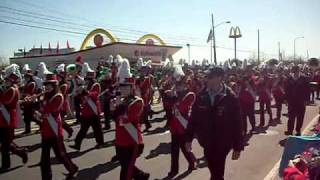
(188, 45)
(294, 47)
(214, 38)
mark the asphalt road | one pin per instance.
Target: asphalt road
(260, 155)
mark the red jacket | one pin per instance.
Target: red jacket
(125, 114)
(64, 89)
(246, 97)
(9, 99)
(264, 90)
(292, 173)
(146, 90)
(52, 107)
(183, 107)
(30, 88)
(93, 97)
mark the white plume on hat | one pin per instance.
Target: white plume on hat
(12, 69)
(140, 63)
(42, 70)
(110, 59)
(124, 70)
(244, 63)
(166, 63)
(85, 69)
(60, 68)
(226, 65)
(118, 60)
(26, 68)
(178, 72)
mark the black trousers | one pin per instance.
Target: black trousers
(60, 151)
(107, 115)
(127, 156)
(296, 115)
(178, 142)
(145, 116)
(268, 108)
(77, 102)
(216, 159)
(7, 145)
(279, 102)
(86, 123)
(247, 111)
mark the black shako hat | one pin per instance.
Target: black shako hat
(214, 72)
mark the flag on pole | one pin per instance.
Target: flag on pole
(68, 45)
(57, 51)
(209, 36)
(49, 48)
(41, 48)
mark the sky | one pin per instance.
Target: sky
(178, 22)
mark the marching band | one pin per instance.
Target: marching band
(209, 104)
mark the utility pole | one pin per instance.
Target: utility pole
(214, 41)
(258, 46)
(188, 45)
(279, 51)
(307, 54)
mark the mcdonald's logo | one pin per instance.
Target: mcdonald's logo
(235, 32)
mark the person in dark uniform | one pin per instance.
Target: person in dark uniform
(297, 95)
(52, 130)
(216, 122)
(128, 142)
(90, 112)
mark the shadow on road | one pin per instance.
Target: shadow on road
(10, 169)
(162, 148)
(158, 130)
(95, 171)
(283, 142)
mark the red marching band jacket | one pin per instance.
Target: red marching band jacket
(51, 126)
(128, 127)
(181, 113)
(8, 108)
(247, 96)
(30, 89)
(278, 91)
(64, 89)
(90, 105)
(146, 93)
(264, 89)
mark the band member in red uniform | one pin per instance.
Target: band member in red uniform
(247, 98)
(77, 82)
(29, 107)
(129, 144)
(216, 122)
(90, 112)
(297, 96)
(279, 95)
(179, 118)
(9, 121)
(264, 91)
(51, 129)
(146, 94)
(65, 109)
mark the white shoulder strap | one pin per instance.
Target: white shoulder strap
(132, 131)
(53, 124)
(92, 105)
(5, 113)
